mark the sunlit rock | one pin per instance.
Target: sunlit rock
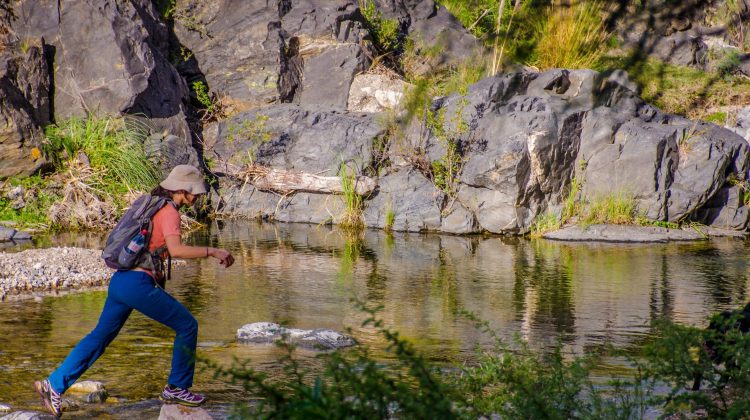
(318, 339)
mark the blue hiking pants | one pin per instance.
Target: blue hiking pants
(130, 290)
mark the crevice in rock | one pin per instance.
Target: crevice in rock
(291, 70)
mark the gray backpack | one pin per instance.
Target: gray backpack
(137, 218)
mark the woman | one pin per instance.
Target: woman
(138, 289)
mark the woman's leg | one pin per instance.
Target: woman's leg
(160, 306)
(85, 353)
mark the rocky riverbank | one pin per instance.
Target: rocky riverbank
(50, 270)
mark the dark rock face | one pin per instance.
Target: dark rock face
(24, 109)
(295, 138)
(255, 53)
(109, 56)
(414, 201)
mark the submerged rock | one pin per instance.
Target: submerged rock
(618, 233)
(317, 339)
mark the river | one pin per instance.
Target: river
(306, 276)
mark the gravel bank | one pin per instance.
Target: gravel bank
(51, 269)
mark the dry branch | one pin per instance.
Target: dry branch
(285, 181)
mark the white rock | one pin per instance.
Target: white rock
(375, 93)
(179, 412)
(86, 387)
(4, 408)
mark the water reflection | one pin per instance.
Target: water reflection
(305, 276)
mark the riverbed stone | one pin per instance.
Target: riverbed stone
(28, 415)
(620, 233)
(317, 339)
(180, 412)
(5, 408)
(86, 387)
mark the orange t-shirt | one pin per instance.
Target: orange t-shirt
(165, 222)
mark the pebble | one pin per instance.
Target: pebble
(47, 269)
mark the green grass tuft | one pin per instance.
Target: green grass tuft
(572, 36)
(352, 216)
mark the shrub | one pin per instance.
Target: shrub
(103, 164)
(352, 216)
(385, 32)
(681, 90)
(352, 384)
(617, 209)
(572, 36)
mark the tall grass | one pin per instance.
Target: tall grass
(615, 209)
(352, 215)
(572, 36)
(113, 146)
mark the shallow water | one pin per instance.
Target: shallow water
(306, 276)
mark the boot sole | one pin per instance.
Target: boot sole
(38, 388)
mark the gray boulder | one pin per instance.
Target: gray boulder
(413, 200)
(294, 138)
(110, 56)
(318, 339)
(255, 53)
(727, 209)
(24, 109)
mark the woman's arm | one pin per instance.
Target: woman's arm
(179, 250)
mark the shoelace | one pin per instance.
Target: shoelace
(55, 398)
(185, 394)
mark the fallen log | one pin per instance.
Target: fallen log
(285, 181)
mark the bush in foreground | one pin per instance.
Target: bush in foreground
(512, 381)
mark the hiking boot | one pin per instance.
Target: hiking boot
(175, 395)
(51, 399)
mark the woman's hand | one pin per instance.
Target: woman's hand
(225, 257)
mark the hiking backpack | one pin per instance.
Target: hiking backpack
(137, 218)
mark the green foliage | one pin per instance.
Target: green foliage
(678, 356)
(385, 32)
(353, 203)
(166, 8)
(729, 63)
(253, 130)
(204, 98)
(113, 146)
(37, 198)
(543, 223)
(445, 171)
(681, 90)
(719, 118)
(571, 206)
(572, 36)
(390, 218)
(507, 380)
(617, 209)
(352, 385)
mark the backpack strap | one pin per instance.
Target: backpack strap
(152, 260)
